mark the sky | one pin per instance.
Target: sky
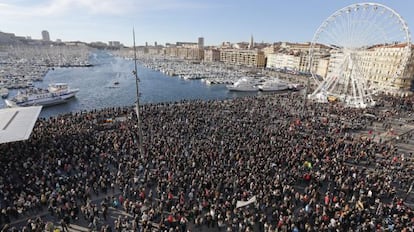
(169, 21)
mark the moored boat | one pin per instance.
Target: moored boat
(296, 87)
(4, 92)
(55, 94)
(244, 85)
(273, 86)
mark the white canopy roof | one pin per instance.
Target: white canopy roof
(17, 123)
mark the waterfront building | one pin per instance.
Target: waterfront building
(295, 57)
(283, 61)
(300, 52)
(211, 55)
(200, 42)
(295, 46)
(171, 50)
(322, 65)
(273, 48)
(154, 50)
(190, 53)
(186, 50)
(8, 38)
(187, 44)
(97, 44)
(382, 63)
(115, 44)
(250, 58)
(407, 80)
(288, 56)
(45, 35)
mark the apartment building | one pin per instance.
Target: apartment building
(250, 58)
(381, 65)
(283, 61)
(211, 55)
(186, 50)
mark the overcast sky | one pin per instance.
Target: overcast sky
(168, 21)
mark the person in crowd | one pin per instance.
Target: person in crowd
(304, 165)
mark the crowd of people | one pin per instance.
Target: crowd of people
(302, 164)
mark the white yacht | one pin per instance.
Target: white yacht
(273, 86)
(244, 85)
(55, 94)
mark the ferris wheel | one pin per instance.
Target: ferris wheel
(368, 45)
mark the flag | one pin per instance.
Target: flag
(244, 203)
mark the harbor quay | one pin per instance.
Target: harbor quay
(258, 163)
(210, 73)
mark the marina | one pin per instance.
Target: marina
(110, 83)
(21, 65)
(163, 79)
(211, 73)
(97, 87)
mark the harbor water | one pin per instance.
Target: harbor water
(111, 83)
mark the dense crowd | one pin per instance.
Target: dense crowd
(304, 166)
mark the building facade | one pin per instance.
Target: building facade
(211, 55)
(283, 61)
(250, 58)
(200, 42)
(45, 36)
(114, 44)
(381, 65)
(184, 52)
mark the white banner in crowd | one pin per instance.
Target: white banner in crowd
(244, 203)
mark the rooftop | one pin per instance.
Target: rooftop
(16, 124)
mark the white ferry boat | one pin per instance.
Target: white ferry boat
(55, 94)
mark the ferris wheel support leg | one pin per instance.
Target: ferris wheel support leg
(318, 89)
(333, 84)
(358, 92)
(346, 85)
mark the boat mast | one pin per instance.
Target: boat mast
(137, 103)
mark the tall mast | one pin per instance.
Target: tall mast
(137, 105)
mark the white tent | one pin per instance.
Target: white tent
(17, 123)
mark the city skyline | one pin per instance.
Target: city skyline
(168, 21)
